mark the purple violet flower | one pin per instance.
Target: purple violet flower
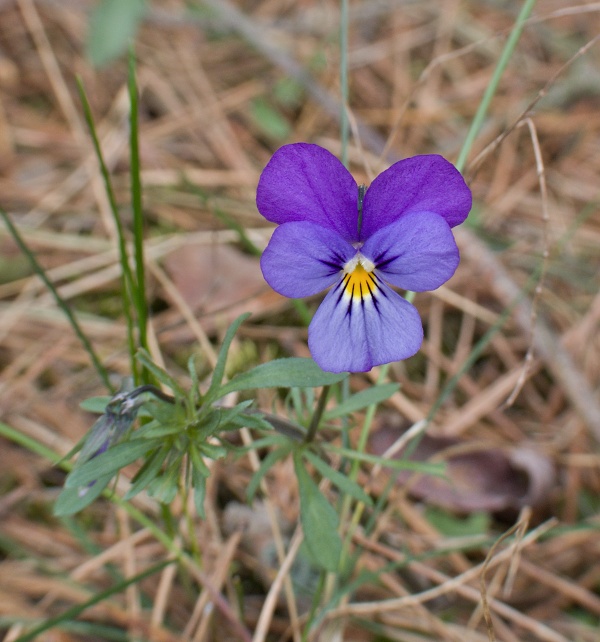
(401, 237)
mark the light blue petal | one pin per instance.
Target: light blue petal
(417, 252)
(356, 333)
(303, 259)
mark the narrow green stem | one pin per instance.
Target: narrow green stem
(344, 121)
(507, 52)
(316, 418)
(62, 304)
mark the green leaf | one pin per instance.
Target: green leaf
(267, 463)
(362, 399)
(197, 461)
(345, 484)
(212, 451)
(199, 483)
(109, 462)
(112, 25)
(254, 421)
(71, 501)
(219, 371)
(165, 412)
(148, 472)
(269, 120)
(156, 430)
(164, 487)
(319, 521)
(97, 405)
(423, 467)
(474, 524)
(161, 375)
(288, 92)
(282, 373)
(196, 395)
(229, 418)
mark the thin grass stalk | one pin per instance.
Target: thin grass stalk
(333, 580)
(33, 445)
(344, 120)
(480, 346)
(62, 304)
(490, 90)
(140, 301)
(361, 447)
(128, 286)
(76, 610)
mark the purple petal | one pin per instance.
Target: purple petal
(417, 253)
(356, 333)
(303, 259)
(419, 184)
(304, 182)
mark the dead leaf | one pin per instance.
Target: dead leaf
(218, 283)
(478, 477)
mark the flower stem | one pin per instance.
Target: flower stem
(316, 418)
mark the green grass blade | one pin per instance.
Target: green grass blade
(479, 347)
(62, 304)
(507, 52)
(140, 303)
(33, 445)
(128, 290)
(219, 370)
(78, 609)
(344, 120)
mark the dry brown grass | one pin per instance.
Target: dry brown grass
(417, 72)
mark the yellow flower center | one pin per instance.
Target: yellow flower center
(359, 280)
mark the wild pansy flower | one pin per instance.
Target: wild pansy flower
(397, 235)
